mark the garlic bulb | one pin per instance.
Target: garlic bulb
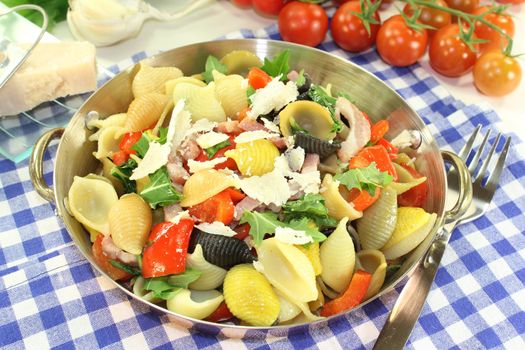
(106, 22)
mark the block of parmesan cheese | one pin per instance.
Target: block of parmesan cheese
(52, 70)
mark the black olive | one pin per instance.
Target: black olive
(312, 144)
(222, 251)
(306, 86)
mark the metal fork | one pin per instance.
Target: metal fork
(406, 311)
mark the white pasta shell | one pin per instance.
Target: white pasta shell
(337, 206)
(211, 276)
(195, 304)
(338, 258)
(373, 261)
(170, 84)
(379, 220)
(232, 94)
(113, 120)
(108, 141)
(144, 111)
(288, 309)
(201, 102)
(288, 270)
(130, 222)
(90, 201)
(138, 289)
(152, 79)
(205, 184)
(405, 180)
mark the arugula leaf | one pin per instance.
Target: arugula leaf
(123, 172)
(310, 206)
(267, 222)
(212, 63)
(166, 287)
(142, 145)
(301, 79)
(160, 190)
(364, 178)
(211, 151)
(249, 92)
(56, 10)
(318, 94)
(278, 65)
(296, 127)
(132, 270)
(163, 135)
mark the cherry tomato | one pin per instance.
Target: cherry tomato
(303, 23)
(416, 196)
(102, 261)
(119, 158)
(379, 130)
(348, 30)
(268, 7)
(432, 17)
(495, 39)
(400, 45)
(496, 74)
(242, 3)
(463, 5)
(448, 54)
(257, 78)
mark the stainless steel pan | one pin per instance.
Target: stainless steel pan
(74, 154)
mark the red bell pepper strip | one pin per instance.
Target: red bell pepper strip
(379, 155)
(379, 130)
(217, 208)
(235, 195)
(102, 261)
(416, 196)
(361, 199)
(257, 78)
(390, 148)
(128, 140)
(353, 296)
(222, 313)
(243, 231)
(166, 252)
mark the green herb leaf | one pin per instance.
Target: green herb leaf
(296, 127)
(319, 95)
(304, 224)
(132, 270)
(249, 92)
(166, 287)
(364, 178)
(160, 190)
(142, 145)
(301, 79)
(279, 65)
(56, 10)
(123, 172)
(184, 279)
(163, 135)
(212, 63)
(211, 151)
(310, 206)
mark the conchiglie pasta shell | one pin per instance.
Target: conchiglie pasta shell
(107, 166)
(254, 157)
(240, 61)
(405, 180)
(379, 220)
(101, 124)
(108, 141)
(309, 115)
(201, 102)
(144, 111)
(288, 310)
(171, 84)
(373, 261)
(319, 302)
(205, 184)
(152, 79)
(312, 253)
(337, 206)
(130, 223)
(288, 270)
(250, 297)
(338, 258)
(211, 276)
(195, 304)
(232, 94)
(138, 289)
(90, 201)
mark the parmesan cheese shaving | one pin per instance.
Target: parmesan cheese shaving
(249, 136)
(273, 96)
(270, 188)
(181, 215)
(210, 139)
(196, 166)
(155, 158)
(216, 228)
(290, 236)
(201, 125)
(271, 125)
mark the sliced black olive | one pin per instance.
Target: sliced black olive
(312, 144)
(304, 96)
(306, 85)
(222, 251)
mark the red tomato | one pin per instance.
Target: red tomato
(495, 39)
(379, 130)
(258, 78)
(348, 30)
(242, 3)
(303, 23)
(496, 74)
(217, 208)
(416, 196)
(166, 252)
(128, 140)
(390, 148)
(230, 163)
(360, 199)
(120, 158)
(432, 17)
(235, 195)
(268, 7)
(222, 313)
(400, 45)
(103, 261)
(448, 54)
(463, 5)
(243, 231)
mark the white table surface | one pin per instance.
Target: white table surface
(221, 17)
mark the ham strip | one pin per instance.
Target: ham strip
(113, 252)
(246, 204)
(360, 132)
(311, 163)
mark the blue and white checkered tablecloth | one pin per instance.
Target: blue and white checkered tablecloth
(50, 296)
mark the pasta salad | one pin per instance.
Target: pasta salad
(249, 194)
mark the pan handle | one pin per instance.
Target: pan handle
(36, 164)
(464, 189)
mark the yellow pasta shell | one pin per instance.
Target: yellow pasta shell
(308, 115)
(312, 253)
(254, 157)
(205, 184)
(144, 111)
(337, 206)
(130, 223)
(250, 297)
(152, 79)
(201, 102)
(405, 180)
(373, 261)
(231, 94)
(240, 61)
